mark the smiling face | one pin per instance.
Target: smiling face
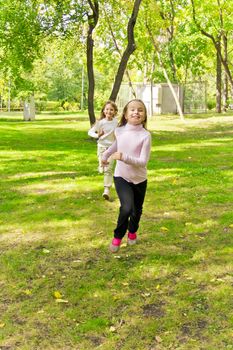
(136, 113)
(109, 111)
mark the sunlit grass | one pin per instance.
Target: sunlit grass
(171, 291)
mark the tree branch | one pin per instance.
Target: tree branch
(119, 51)
(128, 51)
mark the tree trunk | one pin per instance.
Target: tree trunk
(179, 108)
(26, 110)
(128, 51)
(32, 107)
(225, 92)
(218, 81)
(225, 79)
(92, 22)
(225, 65)
(119, 51)
(151, 88)
(9, 97)
(29, 109)
(169, 18)
(173, 66)
(176, 98)
(82, 91)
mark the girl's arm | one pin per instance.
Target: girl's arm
(94, 131)
(104, 136)
(140, 161)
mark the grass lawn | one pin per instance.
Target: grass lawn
(60, 287)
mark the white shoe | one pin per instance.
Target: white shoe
(115, 245)
(131, 241)
(132, 238)
(106, 193)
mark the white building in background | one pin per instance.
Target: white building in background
(157, 98)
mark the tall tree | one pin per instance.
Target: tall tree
(167, 13)
(218, 78)
(92, 22)
(114, 39)
(217, 24)
(130, 48)
(68, 15)
(19, 40)
(19, 35)
(158, 39)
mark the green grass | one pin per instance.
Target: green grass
(171, 291)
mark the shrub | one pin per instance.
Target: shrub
(52, 106)
(211, 104)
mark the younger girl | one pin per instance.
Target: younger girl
(132, 151)
(103, 130)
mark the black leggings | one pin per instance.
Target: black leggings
(131, 198)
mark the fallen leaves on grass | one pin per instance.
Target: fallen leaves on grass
(188, 223)
(62, 301)
(158, 339)
(146, 295)
(112, 329)
(164, 229)
(27, 292)
(57, 294)
(40, 312)
(125, 284)
(119, 324)
(46, 251)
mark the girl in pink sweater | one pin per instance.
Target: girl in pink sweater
(131, 150)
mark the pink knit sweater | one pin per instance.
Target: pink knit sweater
(134, 142)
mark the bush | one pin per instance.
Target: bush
(70, 106)
(56, 106)
(211, 104)
(16, 105)
(53, 106)
(49, 106)
(40, 105)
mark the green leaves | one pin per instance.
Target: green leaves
(19, 38)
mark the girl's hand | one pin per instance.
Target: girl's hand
(117, 156)
(100, 133)
(104, 162)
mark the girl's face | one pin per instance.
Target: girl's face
(109, 111)
(135, 113)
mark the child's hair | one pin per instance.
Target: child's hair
(123, 120)
(109, 102)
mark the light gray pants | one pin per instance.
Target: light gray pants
(106, 170)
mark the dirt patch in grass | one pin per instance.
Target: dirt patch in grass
(193, 330)
(154, 310)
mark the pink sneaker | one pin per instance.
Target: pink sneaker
(132, 238)
(115, 245)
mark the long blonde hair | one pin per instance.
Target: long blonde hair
(123, 120)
